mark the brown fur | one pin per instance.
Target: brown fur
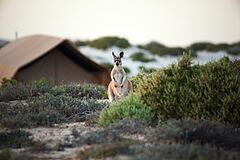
(119, 86)
(116, 92)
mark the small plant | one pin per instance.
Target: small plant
(153, 47)
(129, 107)
(79, 91)
(161, 50)
(139, 56)
(13, 90)
(20, 91)
(80, 43)
(6, 154)
(47, 110)
(196, 132)
(233, 49)
(15, 139)
(8, 82)
(106, 42)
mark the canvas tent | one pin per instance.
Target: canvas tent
(39, 56)
(3, 42)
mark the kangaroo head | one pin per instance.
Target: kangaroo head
(117, 59)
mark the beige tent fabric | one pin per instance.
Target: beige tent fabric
(57, 68)
(34, 57)
(23, 51)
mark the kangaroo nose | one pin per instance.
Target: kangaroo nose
(117, 63)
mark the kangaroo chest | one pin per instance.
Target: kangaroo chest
(118, 76)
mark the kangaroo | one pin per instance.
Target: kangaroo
(119, 86)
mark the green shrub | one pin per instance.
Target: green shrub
(79, 91)
(129, 107)
(13, 90)
(210, 91)
(153, 47)
(180, 152)
(174, 139)
(6, 154)
(39, 103)
(161, 50)
(15, 139)
(98, 137)
(106, 42)
(80, 43)
(8, 82)
(129, 126)
(233, 49)
(217, 47)
(104, 150)
(175, 51)
(139, 56)
(47, 110)
(20, 91)
(196, 132)
(200, 46)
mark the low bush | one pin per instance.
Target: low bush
(15, 139)
(200, 46)
(196, 132)
(13, 90)
(139, 56)
(153, 47)
(106, 42)
(104, 150)
(129, 126)
(39, 103)
(210, 91)
(98, 137)
(161, 50)
(179, 151)
(6, 154)
(79, 91)
(20, 91)
(174, 139)
(174, 51)
(80, 43)
(126, 150)
(233, 49)
(129, 107)
(47, 110)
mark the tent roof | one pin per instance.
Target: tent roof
(23, 51)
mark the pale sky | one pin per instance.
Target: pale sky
(171, 22)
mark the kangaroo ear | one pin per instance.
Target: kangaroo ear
(121, 54)
(113, 54)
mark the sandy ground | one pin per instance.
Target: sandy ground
(53, 137)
